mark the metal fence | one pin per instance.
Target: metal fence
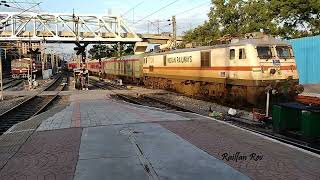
(307, 54)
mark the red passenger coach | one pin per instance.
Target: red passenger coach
(72, 65)
(94, 67)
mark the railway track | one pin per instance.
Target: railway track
(11, 84)
(106, 85)
(30, 107)
(287, 140)
(53, 86)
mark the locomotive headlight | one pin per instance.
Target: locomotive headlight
(272, 71)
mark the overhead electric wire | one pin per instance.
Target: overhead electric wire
(22, 2)
(25, 10)
(13, 1)
(158, 27)
(132, 8)
(157, 11)
(196, 7)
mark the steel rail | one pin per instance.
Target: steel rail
(23, 111)
(12, 84)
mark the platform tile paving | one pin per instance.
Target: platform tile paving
(175, 145)
(236, 147)
(101, 112)
(33, 123)
(110, 152)
(10, 144)
(48, 155)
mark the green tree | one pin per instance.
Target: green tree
(228, 15)
(297, 18)
(286, 18)
(204, 33)
(256, 15)
(106, 51)
(100, 51)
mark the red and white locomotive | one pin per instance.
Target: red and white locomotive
(20, 68)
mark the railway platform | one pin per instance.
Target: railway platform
(96, 137)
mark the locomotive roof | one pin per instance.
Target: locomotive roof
(241, 42)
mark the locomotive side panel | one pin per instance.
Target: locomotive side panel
(206, 65)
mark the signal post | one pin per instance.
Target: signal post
(83, 76)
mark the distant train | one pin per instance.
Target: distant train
(20, 68)
(241, 70)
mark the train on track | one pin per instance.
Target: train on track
(20, 68)
(242, 70)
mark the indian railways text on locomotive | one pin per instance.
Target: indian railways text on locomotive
(184, 59)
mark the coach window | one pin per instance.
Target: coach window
(164, 60)
(242, 54)
(232, 54)
(205, 59)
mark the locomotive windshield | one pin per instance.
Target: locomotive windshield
(283, 52)
(264, 52)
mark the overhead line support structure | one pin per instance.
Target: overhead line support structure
(57, 27)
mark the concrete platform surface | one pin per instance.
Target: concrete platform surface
(95, 137)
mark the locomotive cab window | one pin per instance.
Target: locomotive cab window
(264, 52)
(205, 59)
(283, 52)
(232, 54)
(242, 54)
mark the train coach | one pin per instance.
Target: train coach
(93, 67)
(127, 68)
(242, 70)
(71, 65)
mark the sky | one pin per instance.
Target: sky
(134, 11)
(138, 14)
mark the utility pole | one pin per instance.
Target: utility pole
(174, 29)
(1, 95)
(42, 57)
(133, 16)
(52, 62)
(57, 62)
(119, 49)
(30, 67)
(158, 26)
(100, 63)
(148, 27)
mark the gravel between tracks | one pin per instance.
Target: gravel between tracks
(10, 102)
(199, 106)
